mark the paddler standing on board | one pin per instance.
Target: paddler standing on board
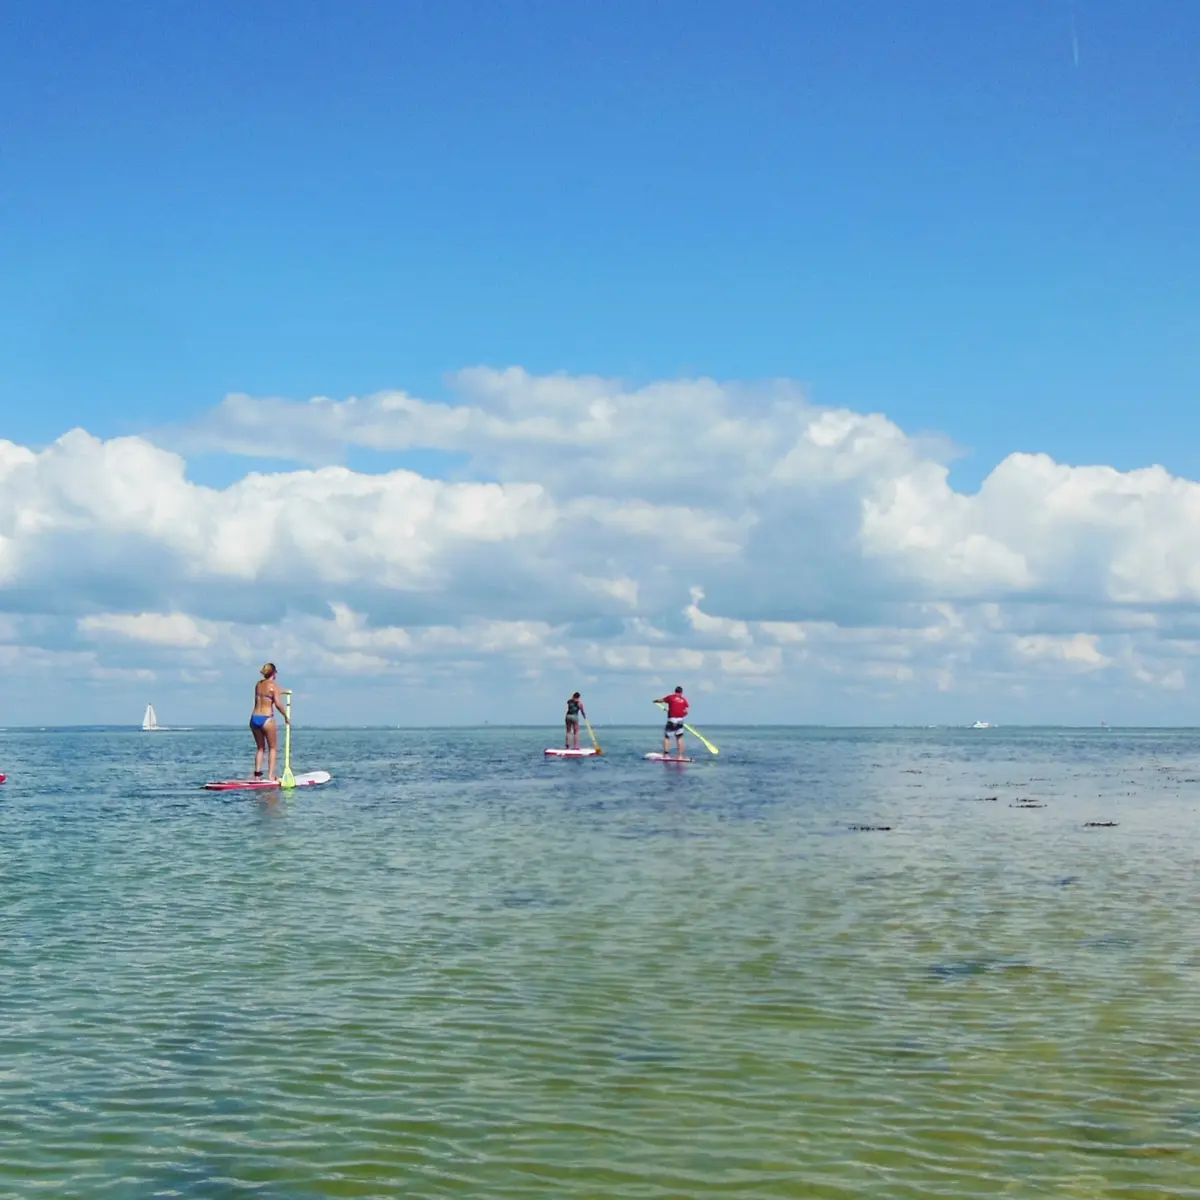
(574, 711)
(677, 708)
(268, 696)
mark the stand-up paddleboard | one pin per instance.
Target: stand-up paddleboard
(312, 779)
(287, 780)
(3, 778)
(656, 757)
(563, 752)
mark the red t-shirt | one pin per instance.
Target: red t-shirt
(677, 706)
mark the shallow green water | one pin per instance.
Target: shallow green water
(491, 975)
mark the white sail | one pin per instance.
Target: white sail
(150, 720)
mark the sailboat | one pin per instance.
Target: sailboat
(150, 720)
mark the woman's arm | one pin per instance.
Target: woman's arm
(275, 693)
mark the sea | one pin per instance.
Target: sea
(826, 963)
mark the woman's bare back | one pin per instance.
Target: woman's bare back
(266, 693)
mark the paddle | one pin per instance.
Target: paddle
(288, 780)
(592, 735)
(694, 732)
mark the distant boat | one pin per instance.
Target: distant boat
(150, 720)
(981, 725)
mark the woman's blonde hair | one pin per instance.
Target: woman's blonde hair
(268, 669)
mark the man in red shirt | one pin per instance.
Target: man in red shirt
(677, 709)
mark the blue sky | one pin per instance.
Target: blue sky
(977, 219)
(926, 209)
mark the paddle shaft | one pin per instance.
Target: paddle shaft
(707, 744)
(592, 735)
(287, 779)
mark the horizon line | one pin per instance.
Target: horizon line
(991, 728)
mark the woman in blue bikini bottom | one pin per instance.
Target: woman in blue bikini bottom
(268, 696)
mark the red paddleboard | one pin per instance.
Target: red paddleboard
(563, 752)
(3, 778)
(233, 785)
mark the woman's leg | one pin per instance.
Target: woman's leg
(272, 733)
(260, 744)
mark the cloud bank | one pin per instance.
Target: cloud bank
(787, 560)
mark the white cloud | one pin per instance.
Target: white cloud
(762, 547)
(1081, 650)
(624, 590)
(158, 629)
(722, 628)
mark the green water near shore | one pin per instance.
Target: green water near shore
(483, 974)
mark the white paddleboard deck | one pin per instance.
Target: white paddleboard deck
(310, 779)
(563, 752)
(668, 758)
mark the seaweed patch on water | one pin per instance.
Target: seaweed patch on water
(632, 1045)
(1110, 942)
(965, 968)
(1065, 881)
(1026, 804)
(982, 799)
(914, 1055)
(532, 898)
(869, 828)
(872, 877)
(1100, 824)
(962, 969)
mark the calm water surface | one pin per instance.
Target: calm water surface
(461, 970)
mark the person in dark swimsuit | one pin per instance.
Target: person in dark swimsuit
(268, 696)
(574, 711)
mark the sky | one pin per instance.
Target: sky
(836, 362)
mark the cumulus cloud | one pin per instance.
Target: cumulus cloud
(756, 471)
(157, 629)
(761, 545)
(1081, 650)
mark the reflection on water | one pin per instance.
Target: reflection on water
(827, 964)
